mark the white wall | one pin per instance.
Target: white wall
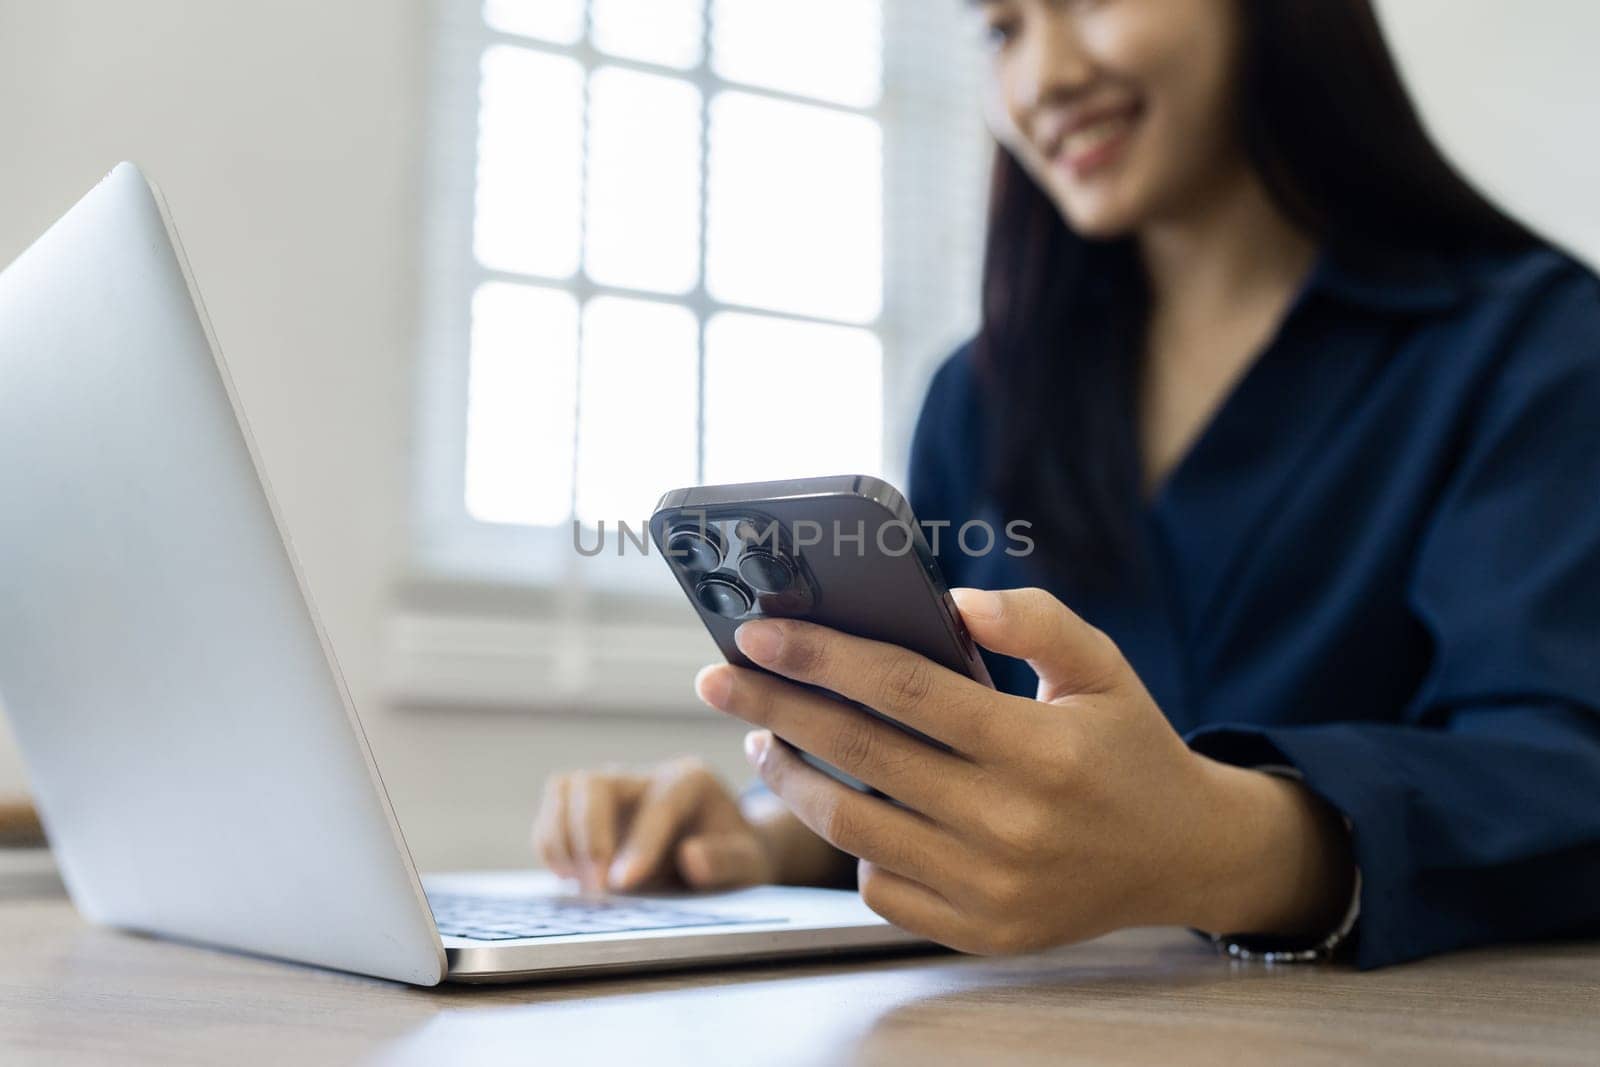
(288, 136)
(1509, 87)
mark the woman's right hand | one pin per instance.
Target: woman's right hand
(673, 824)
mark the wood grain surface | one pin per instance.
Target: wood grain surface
(72, 993)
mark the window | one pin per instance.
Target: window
(678, 230)
(677, 241)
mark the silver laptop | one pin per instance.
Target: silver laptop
(196, 758)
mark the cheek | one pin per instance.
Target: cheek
(1183, 68)
(999, 112)
(1002, 124)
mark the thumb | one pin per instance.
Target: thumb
(1068, 654)
(717, 860)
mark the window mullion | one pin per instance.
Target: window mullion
(580, 277)
(701, 76)
(700, 295)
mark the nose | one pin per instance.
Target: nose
(1049, 63)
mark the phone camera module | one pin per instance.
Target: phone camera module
(723, 597)
(766, 573)
(697, 549)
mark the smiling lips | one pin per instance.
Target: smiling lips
(1092, 141)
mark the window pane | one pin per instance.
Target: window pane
(530, 162)
(553, 20)
(639, 407)
(667, 32)
(829, 49)
(796, 208)
(644, 181)
(789, 399)
(520, 404)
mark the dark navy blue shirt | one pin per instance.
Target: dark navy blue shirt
(1380, 565)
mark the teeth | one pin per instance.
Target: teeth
(1088, 138)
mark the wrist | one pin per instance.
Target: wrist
(1275, 859)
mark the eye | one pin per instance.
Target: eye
(999, 30)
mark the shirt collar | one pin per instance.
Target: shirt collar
(1404, 281)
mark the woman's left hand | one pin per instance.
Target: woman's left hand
(1050, 820)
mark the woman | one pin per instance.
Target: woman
(1310, 434)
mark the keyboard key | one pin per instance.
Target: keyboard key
(504, 919)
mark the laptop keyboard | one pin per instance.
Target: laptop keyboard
(486, 918)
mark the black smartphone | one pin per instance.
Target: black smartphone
(844, 552)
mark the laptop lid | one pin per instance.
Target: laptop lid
(195, 757)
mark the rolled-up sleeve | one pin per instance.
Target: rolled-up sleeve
(1476, 815)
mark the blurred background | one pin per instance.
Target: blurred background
(482, 270)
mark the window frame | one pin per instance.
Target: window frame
(463, 576)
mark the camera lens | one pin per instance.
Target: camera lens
(766, 573)
(696, 548)
(722, 597)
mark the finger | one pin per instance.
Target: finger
(938, 784)
(670, 801)
(550, 828)
(1068, 654)
(947, 706)
(914, 907)
(863, 826)
(717, 861)
(592, 822)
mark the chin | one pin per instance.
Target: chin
(1101, 229)
(1098, 222)
(1100, 214)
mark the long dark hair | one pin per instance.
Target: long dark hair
(1326, 122)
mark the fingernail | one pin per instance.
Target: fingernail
(714, 684)
(618, 874)
(980, 603)
(756, 743)
(759, 640)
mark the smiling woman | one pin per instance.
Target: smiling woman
(1259, 137)
(1305, 427)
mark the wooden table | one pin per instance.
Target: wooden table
(71, 993)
